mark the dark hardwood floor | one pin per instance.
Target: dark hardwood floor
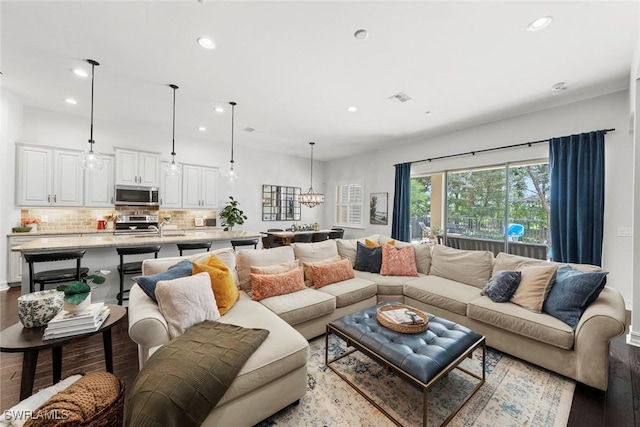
(618, 407)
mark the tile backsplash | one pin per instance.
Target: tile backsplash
(83, 219)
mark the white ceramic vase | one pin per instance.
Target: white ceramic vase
(74, 308)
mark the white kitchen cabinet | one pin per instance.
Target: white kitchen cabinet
(199, 187)
(137, 168)
(99, 185)
(170, 189)
(48, 177)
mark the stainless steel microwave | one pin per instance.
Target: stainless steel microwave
(137, 196)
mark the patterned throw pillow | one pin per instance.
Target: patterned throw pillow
(270, 285)
(398, 261)
(222, 282)
(368, 258)
(308, 273)
(148, 283)
(572, 293)
(337, 271)
(186, 301)
(502, 286)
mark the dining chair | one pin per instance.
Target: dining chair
(302, 238)
(336, 233)
(320, 236)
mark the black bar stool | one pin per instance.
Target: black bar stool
(320, 236)
(134, 267)
(55, 276)
(245, 242)
(191, 246)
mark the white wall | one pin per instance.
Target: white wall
(10, 131)
(610, 111)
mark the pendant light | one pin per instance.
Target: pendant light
(232, 175)
(311, 198)
(172, 169)
(90, 160)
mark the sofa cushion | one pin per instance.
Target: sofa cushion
(470, 267)
(572, 292)
(368, 258)
(443, 293)
(351, 291)
(387, 285)
(148, 283)
(506, 261)
(186, 301)
(502, 286)
(398, 261)
(269, 285)
(333, 272)
(284, 350)
(318, 251)
(347, 248)
(264, 257)
(535, 284)
(222, 282)
(511, 317)
(298, 307)
(277, 268)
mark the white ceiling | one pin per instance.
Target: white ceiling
(295, 67)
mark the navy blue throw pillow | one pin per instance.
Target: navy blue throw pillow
(572, 293)
(503, 285)
(368, 259)
(148, 283)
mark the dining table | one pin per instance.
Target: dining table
(287, 236)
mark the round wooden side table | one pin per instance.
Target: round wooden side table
(18, 339)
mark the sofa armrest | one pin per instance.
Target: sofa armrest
(147, 326)
(601, 321)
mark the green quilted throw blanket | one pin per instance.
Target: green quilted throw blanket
(184, 380)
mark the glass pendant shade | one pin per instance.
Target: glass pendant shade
(311, 198)
(89, 159)
(173, 169)
(231, 175)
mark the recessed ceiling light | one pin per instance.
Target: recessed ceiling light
(558, 88)
(428, 113)
(218, 110)
(202, 128)
(361, 34)
(540, 23)
(352, 109)
(70, 101)
(206, 42)
(80, 72)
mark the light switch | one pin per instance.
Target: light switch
(44, 218)
(624, 231)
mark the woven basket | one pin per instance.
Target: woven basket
(400, 327)
(112, 415)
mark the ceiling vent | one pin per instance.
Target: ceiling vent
(248, 129)
(401, 97)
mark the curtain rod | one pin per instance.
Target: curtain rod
(484, 150)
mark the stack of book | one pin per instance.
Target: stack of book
(402, 316)
(82, 322)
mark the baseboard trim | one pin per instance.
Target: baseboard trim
(4, 286)
(633, 338)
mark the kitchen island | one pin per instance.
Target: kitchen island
(101, 254)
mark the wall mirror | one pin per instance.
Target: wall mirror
(280, 203)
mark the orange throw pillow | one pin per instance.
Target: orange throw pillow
(271, 285)
(222, 282)
(326, 274)
(398, 261)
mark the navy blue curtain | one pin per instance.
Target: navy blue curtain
(577, 197)
(402, 204)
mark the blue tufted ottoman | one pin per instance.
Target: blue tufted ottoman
(421, 358)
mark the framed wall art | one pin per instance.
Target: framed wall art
(378, 208)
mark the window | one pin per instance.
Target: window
(349, 204)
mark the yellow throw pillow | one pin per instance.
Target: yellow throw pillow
(373, 244)
(224, 287)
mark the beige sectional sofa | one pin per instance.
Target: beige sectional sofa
(449, 284)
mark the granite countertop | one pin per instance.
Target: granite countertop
(105, 231)
(108, 239)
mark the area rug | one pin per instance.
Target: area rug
(515, 394)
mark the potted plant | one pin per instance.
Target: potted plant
(232, 214)
(77, 296)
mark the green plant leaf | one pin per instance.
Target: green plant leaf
(77, 288)
(76, 298)
(94, 278)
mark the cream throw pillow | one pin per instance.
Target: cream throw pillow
(535, 284)
(276, 269)
(247, 259)
(186, 301)
(471, 267)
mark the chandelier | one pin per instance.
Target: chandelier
(311, 198)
